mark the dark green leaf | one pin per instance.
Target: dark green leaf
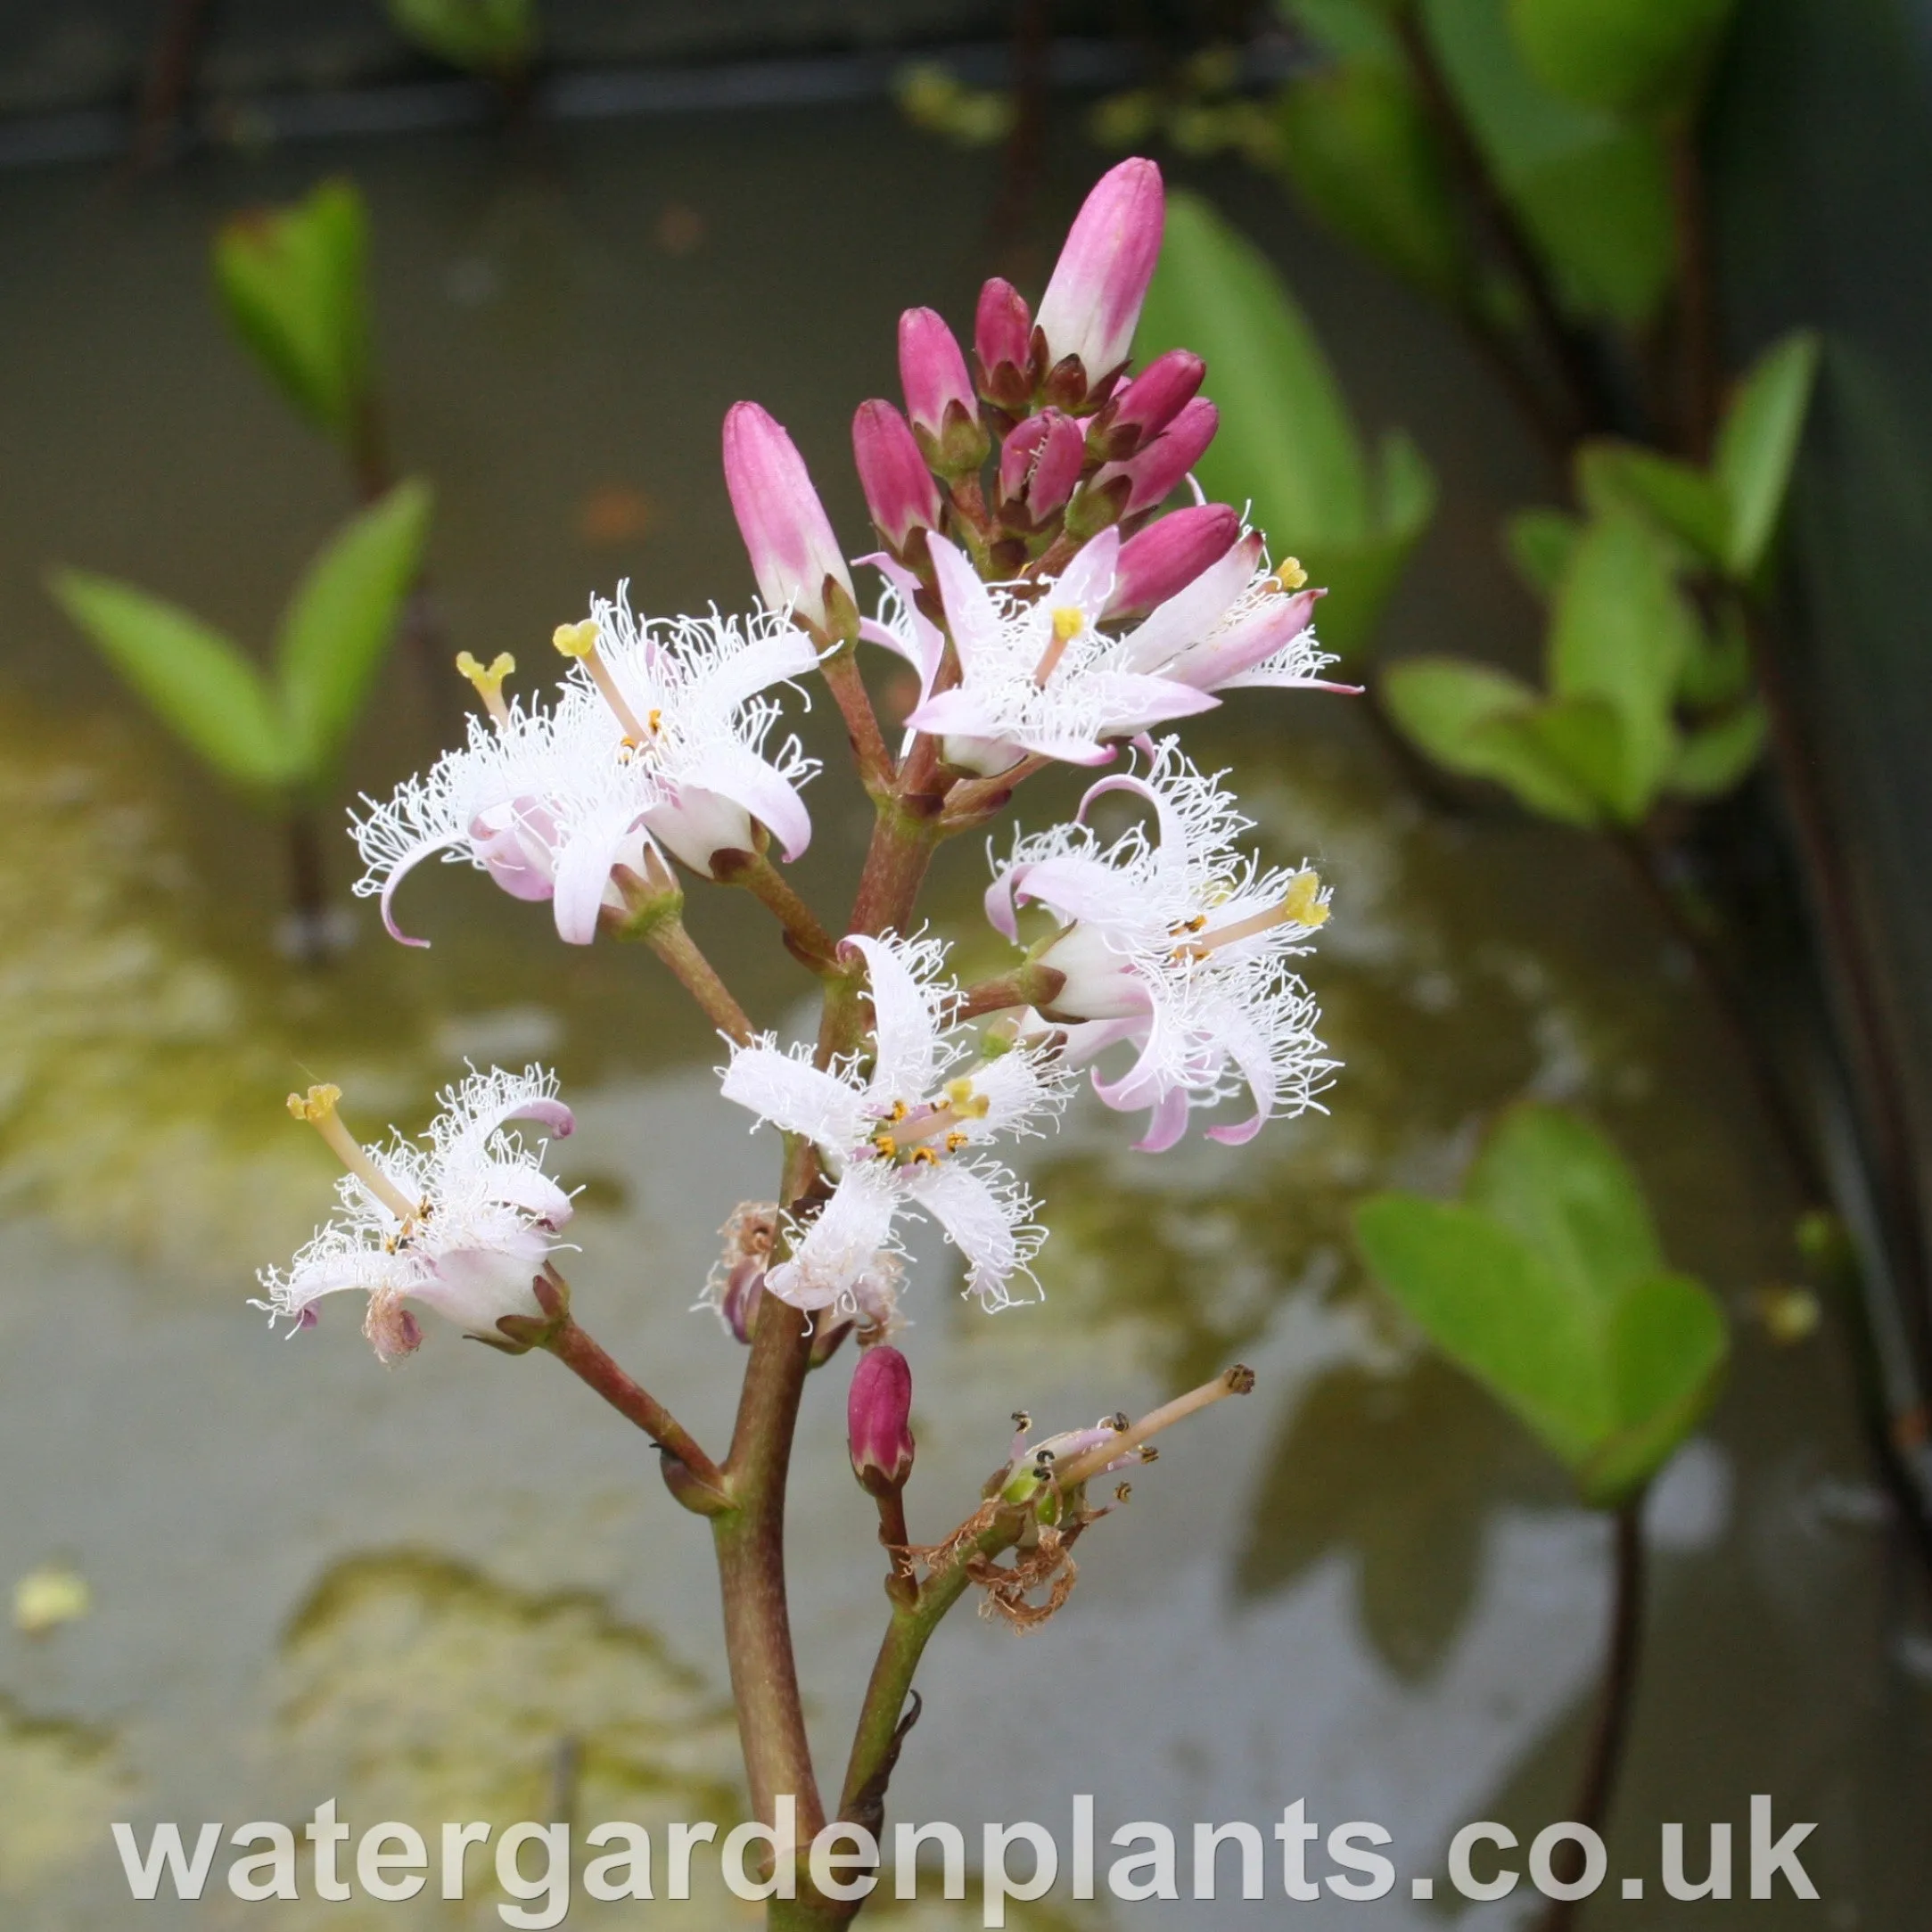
(1567, 758)
(1362, 152)
(195, 679)
(341, 617)
(292, 281)
(1594, 192)
(1630, 56)
(1758, 443)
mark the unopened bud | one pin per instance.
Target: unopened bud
(1003, 346)
(1038, 465)
(1148, 405)
(1170, 554)
(795, 553)
(1093, 300)
(1152, 474)
(877, 1416)
(939, 395)
(899, 490)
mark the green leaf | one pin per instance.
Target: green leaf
(341, 619)
(1593, 191)
(1678, 495)
(195, 680)
(1547, 1285)
(1567, 758)
(1559, 1186)
(1757, 444)
(1361, 150)
(292, 281)
(483, 37)
(1668, 1349)
(1622, 631)
(1712, 760)
(1469, 720)
(1630, 56)
(1491, 1306)
(1541, 542)
(1287, 443)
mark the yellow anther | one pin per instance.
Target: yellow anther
(656, 722)
(1068, 621)
(955, 1141)
(1289, 575)
(576, 640)
(1189, 926)
(925, 1157)
(1303, 904)
(489, 683)
(316, 1105)
(967, 1104)
(883, 1144)
(899, 1110)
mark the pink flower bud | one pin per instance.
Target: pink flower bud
(794, 555)
(878, 1420)
(1166, 460)
(1170, 553)
(1003, 345)
(1150, 402)
(933, 372)
(1040, 463)
(745, 1289)
(1093, 300)
(899, 490)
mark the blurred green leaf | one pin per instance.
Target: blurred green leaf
(200, 685)
(292, 281)
(1713, 759)
(1539, 542)
(1546, 1283)
(1469, 720)
(1757, 444)
(1676, 495)
(1349, 29)
(1621, 630)
(1491, 1306)
(1358, 147)
(496, 38)
(1593, 191)
(1630, 56)
(1567, 758)
(343, 613)
(1286, 444)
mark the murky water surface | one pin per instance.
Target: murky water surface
(457, 1590)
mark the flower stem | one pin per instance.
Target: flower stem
(805, 938)
(751, 1569)
(848, 687)
(892, 1671)
(971, 804)
(680, 951)
(1606, 1753)
(1028, 985)
(709, 1493)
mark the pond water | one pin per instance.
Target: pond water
(457, 1590)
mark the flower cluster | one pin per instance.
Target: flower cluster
(1051, 606)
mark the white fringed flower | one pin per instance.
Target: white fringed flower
(462, 1223)
(1177, 944)
(898, 1131)
(659, 738)
(1241, 623)
(1037, 674)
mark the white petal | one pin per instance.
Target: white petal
(796, 1097)
(984, 1212)
(903, 1015)
(841, 1240)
